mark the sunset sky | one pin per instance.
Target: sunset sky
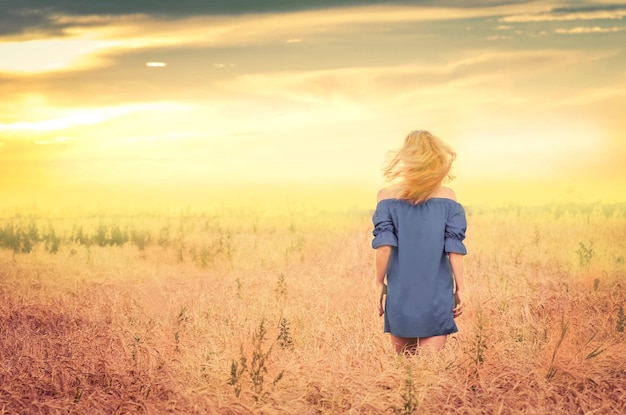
(176, 102)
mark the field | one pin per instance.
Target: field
(237, 311)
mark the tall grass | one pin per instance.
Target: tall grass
(239, 312)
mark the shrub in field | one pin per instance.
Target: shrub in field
(14, 237)
(285, 341)
(26, 244)
(281, 287)
(409, 398)
(164, 235)
(52, 241)
(110, 235)
(9, 237)
(118, 236)
(79, 236)
(140, 238)
(100, 236)
(33, 231)
(256, 366)
(585, 253)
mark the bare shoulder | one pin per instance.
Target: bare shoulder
(445, 193)
(390, 192)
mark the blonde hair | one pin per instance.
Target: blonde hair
(421, 165)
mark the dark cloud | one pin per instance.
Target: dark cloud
(19, 19)
(589, 8)
(176, 8)
(25, 15)
(187, 7)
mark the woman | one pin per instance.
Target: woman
(418, 232)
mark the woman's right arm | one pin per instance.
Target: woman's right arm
(458, 271)
(382, 261)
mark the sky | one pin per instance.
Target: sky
(154, 103)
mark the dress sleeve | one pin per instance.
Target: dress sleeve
(384, 231)
(456, 226)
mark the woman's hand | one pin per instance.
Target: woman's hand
(459, 304)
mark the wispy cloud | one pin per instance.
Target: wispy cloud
(589, 96)
(90, 117)
(497, 37)
(609, 12)
(586, 30)
(474, 73)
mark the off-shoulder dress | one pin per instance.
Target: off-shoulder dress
(420, 284)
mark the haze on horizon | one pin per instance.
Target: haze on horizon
(175, 103)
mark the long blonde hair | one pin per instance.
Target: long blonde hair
(421, 165)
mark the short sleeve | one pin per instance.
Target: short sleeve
(456, 225)
(384, 230)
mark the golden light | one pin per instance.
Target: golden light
(49, 55)
(246, 104)
(84, 117)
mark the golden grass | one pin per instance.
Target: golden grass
(117, 329)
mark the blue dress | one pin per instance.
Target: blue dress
(420, 284)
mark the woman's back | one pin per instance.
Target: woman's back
(419, 278)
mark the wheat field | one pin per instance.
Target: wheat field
(237, 311)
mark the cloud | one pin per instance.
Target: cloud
(586, 30)
(80, 42)
(19, 17)
(48, 55)
(224, 65)
(506, 91)
(56, 140)
(471, 74)
(588, 96)
(600, 12)
(90, 117)
(33, 11)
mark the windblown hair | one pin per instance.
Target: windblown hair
(421, 165)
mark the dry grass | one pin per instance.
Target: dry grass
(239, 313)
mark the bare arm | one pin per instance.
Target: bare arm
(382, 261)
(458, 271)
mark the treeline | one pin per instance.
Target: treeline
(194, 238)
(21, 238)
(554, 211)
